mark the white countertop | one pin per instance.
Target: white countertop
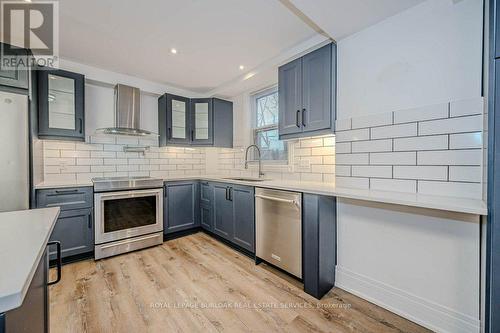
(460, 205)
(23, 238)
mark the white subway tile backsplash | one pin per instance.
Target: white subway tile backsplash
(353, 135)
(343, 124)
(87, 177)
(115, 161)
(372, 120)
(466, 107)
(466, 140)
(343, 170)
(450, 157)
(451, 125)
(352, 182)
(103, 168)
(318, 142)
(322, 151)
(394, 185)
(394, 131)
(421, 172)
(87, 146)
(73, 153)
(353, 159)
(89, 161)
(323, 168)
(343, 147)
(59, 161)
(454, 189)
(52, 153)
(103, 139)
(372, 146)
(435, 149)
(102, 154)
(64, 177)
(328, 159)
(113, 148)
(466, 174)
(399, 158)
(434, 142)
(127, 168)
(329, 141)
(61, 145)
(372, 171)
(429, 112)
(126, 140)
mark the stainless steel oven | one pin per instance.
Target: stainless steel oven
(127, 215)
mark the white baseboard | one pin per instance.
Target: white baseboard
(423, 312)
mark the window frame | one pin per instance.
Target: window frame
(282, 165)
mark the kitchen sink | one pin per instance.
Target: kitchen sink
(248, 179)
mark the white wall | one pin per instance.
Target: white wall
(416, 264)
(429, 54)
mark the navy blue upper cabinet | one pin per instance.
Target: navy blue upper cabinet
(290, 97)
(17, 77)
(61, 110)
(202, 121)
(223, 123)
(195, 122)
(306, 89)
(244, 216)
(181, 206)
(173, 120)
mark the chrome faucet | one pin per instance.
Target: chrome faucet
(260, 160)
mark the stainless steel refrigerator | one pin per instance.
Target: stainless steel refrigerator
(14, 152)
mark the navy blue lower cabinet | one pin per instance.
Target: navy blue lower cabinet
(181, 206)
(33, 315)
(243, 201)
(75, 230)
(319, 239)
(223, 211)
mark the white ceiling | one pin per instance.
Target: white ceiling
(212, 37)
(342, 18)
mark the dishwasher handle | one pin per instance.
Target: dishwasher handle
(293, 202)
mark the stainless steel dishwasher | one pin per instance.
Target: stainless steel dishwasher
(279, 229)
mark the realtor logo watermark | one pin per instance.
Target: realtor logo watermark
(29, 25)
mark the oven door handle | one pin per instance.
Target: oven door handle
(128, 194)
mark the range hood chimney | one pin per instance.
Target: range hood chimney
(127, 113)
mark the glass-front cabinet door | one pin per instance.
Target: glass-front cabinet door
(178, 119)
(201, 121)
(61, 97)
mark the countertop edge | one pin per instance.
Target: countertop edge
(461, 205)
(15, 300)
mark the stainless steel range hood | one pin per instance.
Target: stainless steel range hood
(127, 113)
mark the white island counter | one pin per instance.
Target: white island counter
(23, 239)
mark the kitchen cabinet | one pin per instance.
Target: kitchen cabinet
(306, 90)
(17, 76)
(75, 226)
(319, 246)
(202, 121)
(33, 314)
(61, 110)
(243, 216)
(195, 122)
(234, 214)
(223, 211)
(181, 204)
(173, 120)
(75, 230)
(206, 201)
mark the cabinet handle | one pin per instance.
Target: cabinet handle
(165, 192)
(304, 117)
(169, 135)
(226, 193)
(81, 125)
(89, 218)
(230, 194)
(59, 262)
(66, 191)
(297, 117)
(192, 135)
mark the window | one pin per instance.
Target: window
(272, 149)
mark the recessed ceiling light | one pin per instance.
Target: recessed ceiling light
(173, 51)
(242, 67)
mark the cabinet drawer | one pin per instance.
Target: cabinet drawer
(66, 198)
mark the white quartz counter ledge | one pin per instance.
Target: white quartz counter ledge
(452, 204)
(23, 238)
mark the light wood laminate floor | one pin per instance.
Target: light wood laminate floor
(197, 284)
